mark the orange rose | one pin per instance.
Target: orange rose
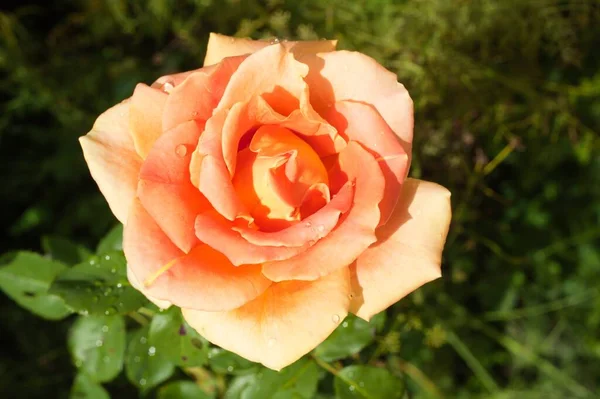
(266, 193)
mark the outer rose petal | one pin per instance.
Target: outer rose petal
(135, 283)
(165, 189)
(221, 46)
(110, 154)
(287, 321)
(329, 77)
(353, 234)
(202, 279)
(361, 122)
(145, 117)
(408, 251)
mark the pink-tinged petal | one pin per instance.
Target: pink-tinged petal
(329, 77)
(145, 117)
(272, 73)
(221, 46)
(197, 96)
(408, 251)
(362, 123)
(289, 320)
(310, 230)
(110, 154)
(202, 279)
(355, 232)
(209, 172)
(165, 189)
(218, 233)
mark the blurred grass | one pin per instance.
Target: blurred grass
(507, 102)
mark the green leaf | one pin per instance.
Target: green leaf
(182, 390)
(26, 280)
(113, 241)
(98, 286)
(223, 361)
(367, 382)
(176, 340)
(97, 346)
(64, 250)
(298, 380)
(85, 388)
(352, 335)
(145, 367)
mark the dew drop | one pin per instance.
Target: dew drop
(78, 363)
(167, 86)
(143, 340)
(92, 262)
(143, 381)
(230, 368)
(119, 285)
(361, 384)
(271, 342)
(335, 318)
(320, 228)
(274, 41)
(104, 328)
(107, 257)
(195, 114)
(151, 351)
(352, 388)
(99, 343)
(308, 224)
(345, 324)
(181, 150)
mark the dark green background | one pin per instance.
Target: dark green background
(507, 109)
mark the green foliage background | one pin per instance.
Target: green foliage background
(507, 101)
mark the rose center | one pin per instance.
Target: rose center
(280, 178)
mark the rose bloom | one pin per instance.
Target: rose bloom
(266, 194)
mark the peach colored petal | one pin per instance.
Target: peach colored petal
(362, 123)
(218, 232)
(408, 251)
(289, 320)
(354, 233)
(145, 117)
(196, 97)
(221, 46)
(202, 279)
(272, 73)
(345, 75)
(311, 229)
(165, 189)
(110, 154)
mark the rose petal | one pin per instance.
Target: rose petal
(287, 321)
(216, 231)
(362, 123)
(197, 96)
(202, 279)
(145, 117)
(135, 283)
(221, 46)
(110, 154)
(408, 251)
(353, 234)
(165, 189)
(329, 77)
(310, 230)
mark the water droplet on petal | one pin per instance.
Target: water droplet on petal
(320, 228)
(308, 224)
(181, 150)
(335, 318)
(167, 86)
